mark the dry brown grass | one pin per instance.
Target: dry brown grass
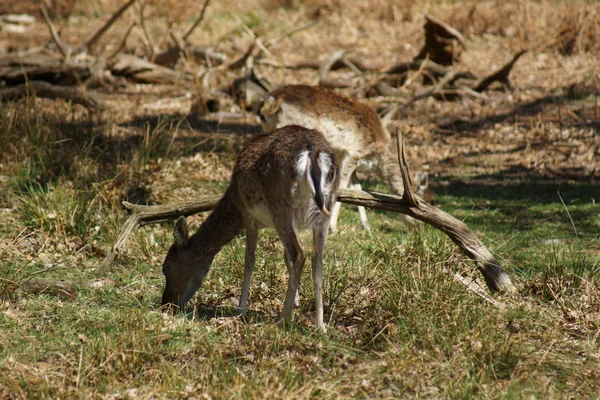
(567, 27)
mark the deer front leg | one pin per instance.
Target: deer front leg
(249, 259)
(295, 264)
(319, 237)
(347, 167)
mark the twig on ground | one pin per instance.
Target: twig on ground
(64, 50)
(123, 41)
(148, 41)
(196, 22)
(94, 39)
(325, 67)
(291, 33)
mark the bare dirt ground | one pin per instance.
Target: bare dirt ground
(545, 129)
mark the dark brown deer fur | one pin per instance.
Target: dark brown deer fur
(286, 180)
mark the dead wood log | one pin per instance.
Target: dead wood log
(440, 41)
(495, 277)
(500, 76)
(142, 215)
(433, 70)
(21, 67)
(49, 91)
(358, 62)
(140, 70)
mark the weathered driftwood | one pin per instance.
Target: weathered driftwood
(410, 204)
(18, 68)
(140, 70)
(494, 276)
(142, 215)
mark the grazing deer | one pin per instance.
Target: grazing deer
(354, 130)
(286, 180)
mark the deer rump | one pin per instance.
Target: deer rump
(310, 185)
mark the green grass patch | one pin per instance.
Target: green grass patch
(399, 325)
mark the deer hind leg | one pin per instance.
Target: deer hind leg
(355, 184)
(294, 258)
(297, 297)
(249, 259)
(319, 238)
(347, 167)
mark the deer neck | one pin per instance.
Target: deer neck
(222, 225)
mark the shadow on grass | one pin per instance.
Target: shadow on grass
(58, 142)
(529, 109)
(204, 312)
(517, 199)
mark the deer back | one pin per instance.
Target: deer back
(347, 124)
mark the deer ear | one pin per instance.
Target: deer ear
(181, 232)
(422, 179)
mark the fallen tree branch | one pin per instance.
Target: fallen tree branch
(360, 63)
(141, 70)
(123, 41)
(49, 91)
(19, 68)
(291, 33)
(495, 277)
(142, 215)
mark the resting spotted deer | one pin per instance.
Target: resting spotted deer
(354, 130)
(286, 180)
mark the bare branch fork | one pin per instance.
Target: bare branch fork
(495, 277)
(100, 32)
